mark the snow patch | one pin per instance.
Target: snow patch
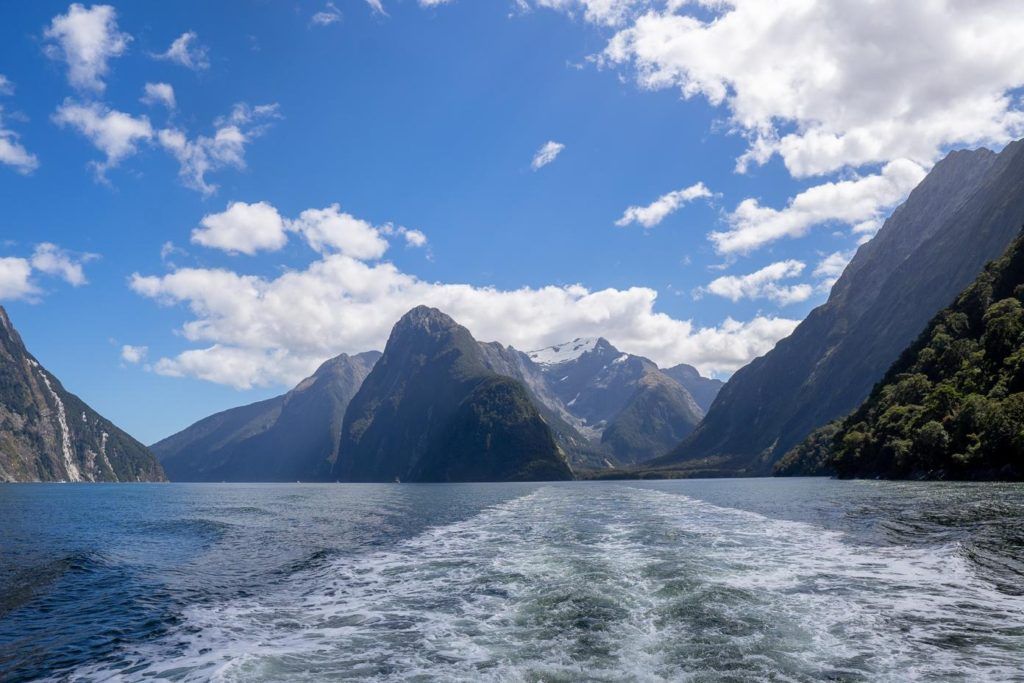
(563, 353)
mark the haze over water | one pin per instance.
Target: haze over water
(803, 579)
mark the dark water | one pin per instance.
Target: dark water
(790, 580)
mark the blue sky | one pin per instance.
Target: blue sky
(421, 124)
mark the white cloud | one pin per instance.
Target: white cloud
(249, 228)
(50, 259)
(14, 279)
(331, 14)
(134, 354)
(607, 12)
(378, 6)
(17, 274)
(12, 152)
(257, 331)
(330, 229)
(414, 238)
(859, 203)
(548, 152)
(654, 213)
(833, 265)
(224, 149)
(114, 133)
(763, 284)
(186, 51)
(242, 228)
(159, 93)
(829, 84)
(6, 87)
(86, 39)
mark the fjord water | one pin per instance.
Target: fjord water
(803, 579)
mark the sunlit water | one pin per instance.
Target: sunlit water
(788, 580)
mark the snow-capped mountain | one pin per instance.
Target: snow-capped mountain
(624, 402)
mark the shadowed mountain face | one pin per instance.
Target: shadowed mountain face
(963, 214)
(952, 406)
(432, 410)
(623, 402)
(293, 437)
(49, 434)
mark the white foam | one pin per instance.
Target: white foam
(611, 582)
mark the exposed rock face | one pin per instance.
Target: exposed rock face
(49, 434)
(963, 214)
(293, 437)
(432, 410)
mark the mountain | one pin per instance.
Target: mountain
(952, 406)
(704, 390)
(963, 214)
(293, 437)
(580, 444)
(49, 434)
(622, 401)
(431, 410)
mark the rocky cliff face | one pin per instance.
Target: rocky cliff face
(964, 213)
(293, 437)
(432, 410)
(49, 434)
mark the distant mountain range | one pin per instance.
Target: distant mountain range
(379, 418)
(49, 434)
(963, 214)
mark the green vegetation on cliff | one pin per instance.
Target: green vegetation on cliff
(952, 406)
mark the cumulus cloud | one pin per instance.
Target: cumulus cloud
(18, 274)
(113, 132)
(251, 330)
(15, 282)
(242, 228)
(331, 230)
(50, 259)
(331, 14)
(860, 203)
(203, 154)
(250, 228)
(86, 39)
(134, 354)
(414, 238)
(828, 85)
(159, 93)
(763, 284)
(548, 152)
(186, 51)
(655, 212)
(12, 152)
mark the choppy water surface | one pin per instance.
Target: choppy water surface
(790, 580)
